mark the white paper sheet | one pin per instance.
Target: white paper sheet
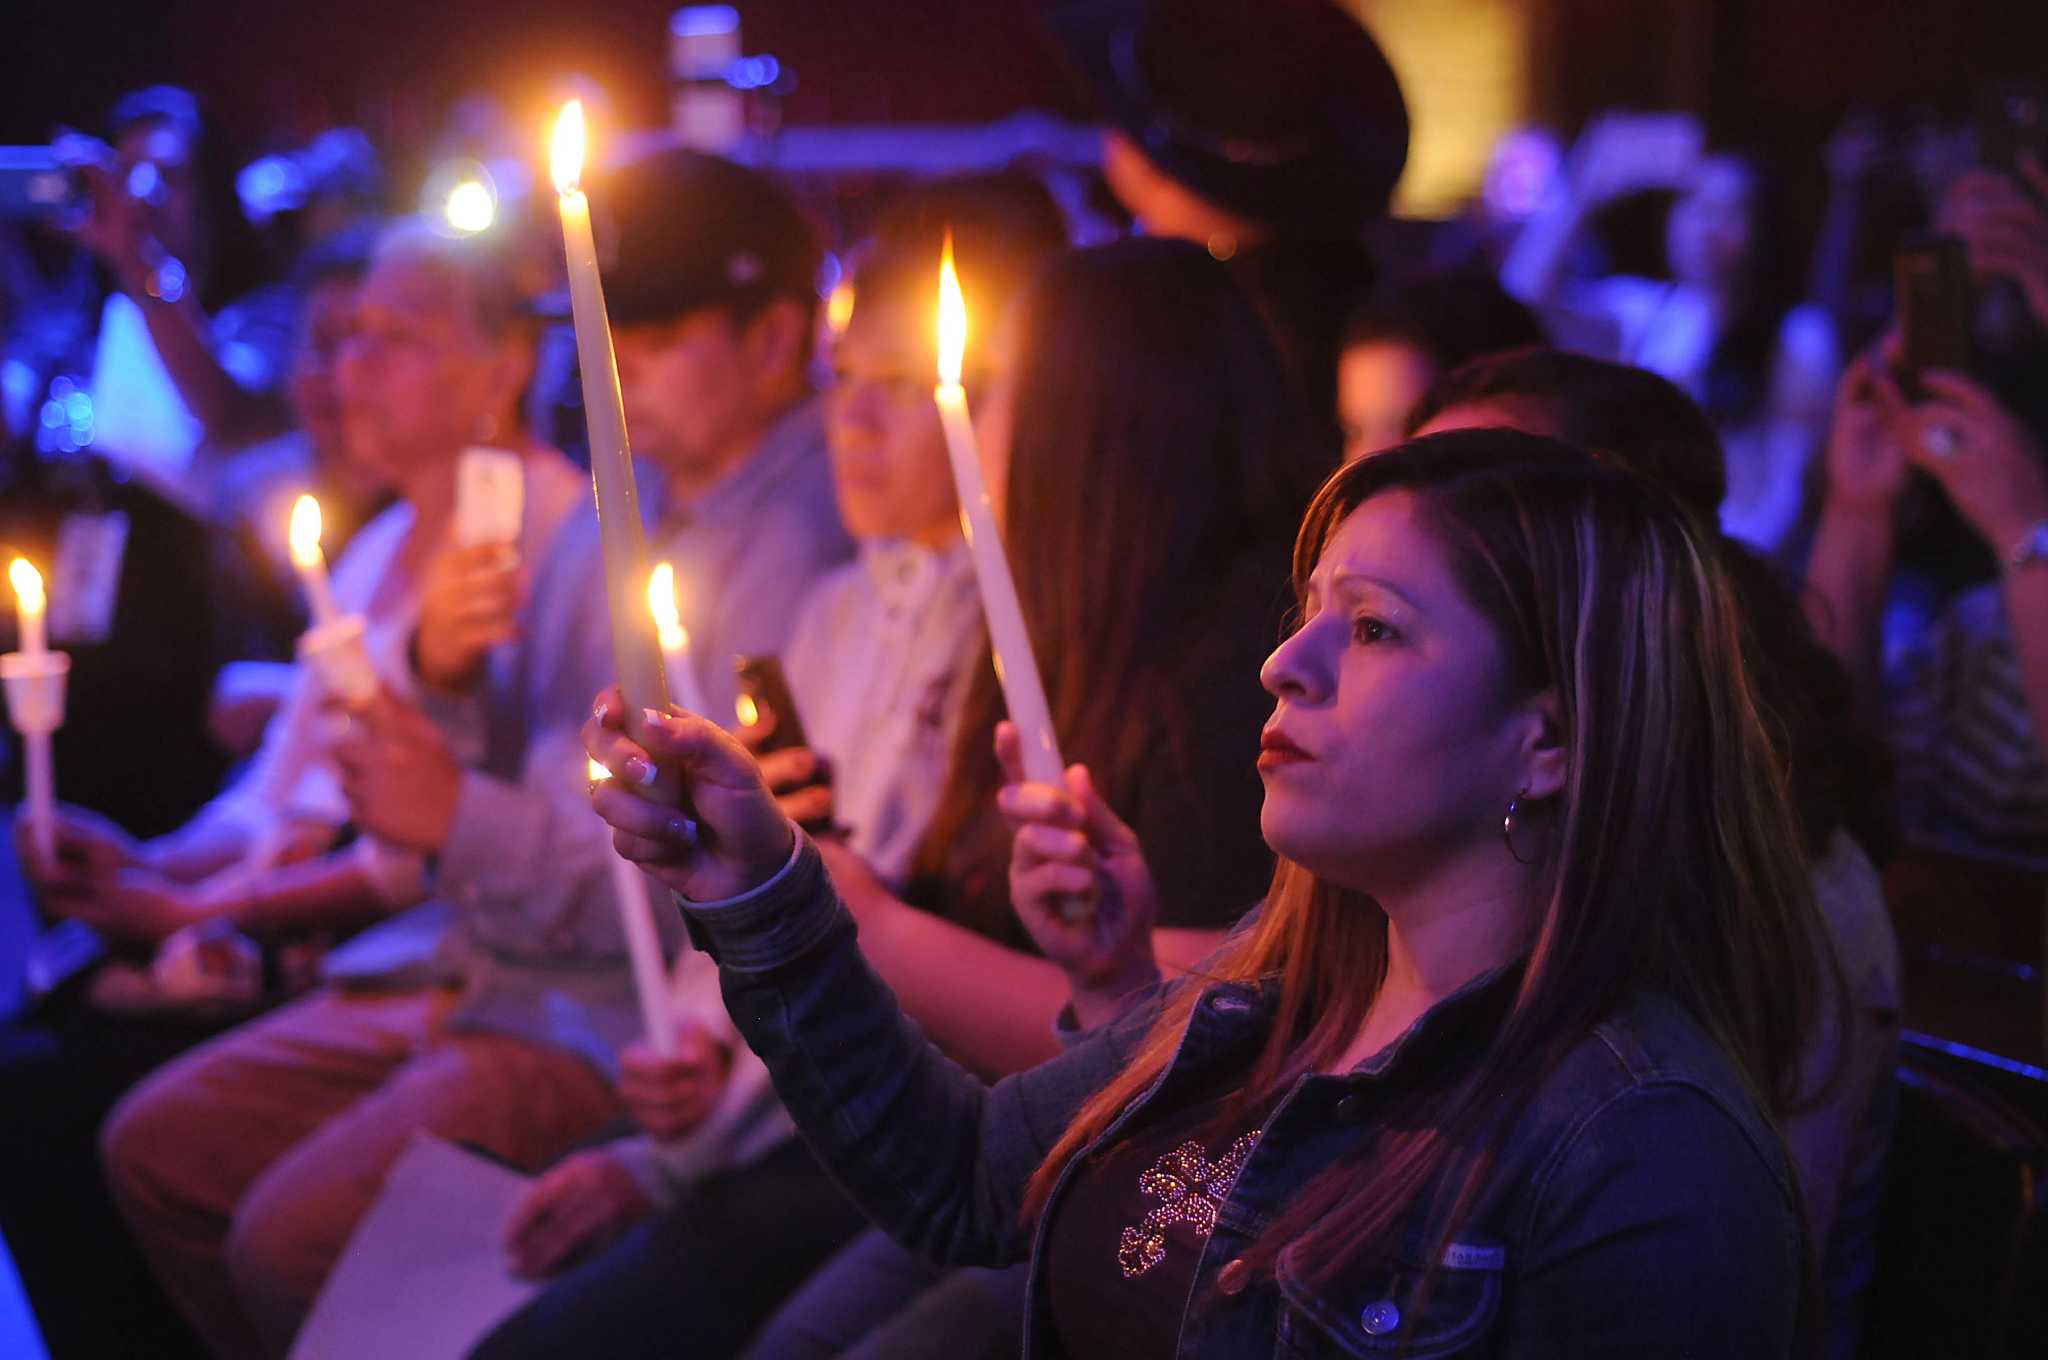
(425, 1276)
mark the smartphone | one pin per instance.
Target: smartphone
(34, 184)
(2012, 119)
(490, 497)
(1933, 281)
(764, 690)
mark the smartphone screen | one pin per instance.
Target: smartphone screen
(1933, 280)
(764, 693)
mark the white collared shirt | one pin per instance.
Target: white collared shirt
(878, 667)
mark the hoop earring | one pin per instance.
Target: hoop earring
(1507, 828)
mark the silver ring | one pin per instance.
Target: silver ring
(1942, 441)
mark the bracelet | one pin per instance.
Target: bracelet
(2032, 548)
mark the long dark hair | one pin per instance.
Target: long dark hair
(1631, 417)
(1157, 449)
(1675, 866)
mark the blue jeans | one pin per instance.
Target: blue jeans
(874, 1300)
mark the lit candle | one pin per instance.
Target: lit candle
(311, 562)
(1016, 667)
(643, 946)
(34, 678)
(611, 462)
(674, 639)
(29, 605)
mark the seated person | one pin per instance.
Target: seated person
(878, 663)
(243, 1166)
(253, 495)
(1456, 1086)
(1145, 453)
(1964, 700)
(244, 859)
(1840, 1136)
(713, 297)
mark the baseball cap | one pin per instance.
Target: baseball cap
(679, 230)
(1282, 111)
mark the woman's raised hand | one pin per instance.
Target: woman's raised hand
(726, 837)
(1066, 846)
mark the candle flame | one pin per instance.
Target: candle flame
(28, 585)
(305, 531)
(567, 161)
(661, 599)
(839, 308)
(598, 772)
(747, 710)
(952, 319)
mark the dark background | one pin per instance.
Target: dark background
(271, 71)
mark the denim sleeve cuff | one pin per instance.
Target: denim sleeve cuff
(774, 924)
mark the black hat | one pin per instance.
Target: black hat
(679, 230)
(1282, 111)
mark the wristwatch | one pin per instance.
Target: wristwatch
(2031, 550)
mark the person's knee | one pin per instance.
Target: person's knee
(256, 1246)
(277, 1255)
(142, 1144)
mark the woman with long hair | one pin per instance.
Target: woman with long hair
(1148, 462)
(1497, 1065)
(1155, 464)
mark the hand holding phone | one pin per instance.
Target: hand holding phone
(766, 703)
(490, 497)
(801, 779)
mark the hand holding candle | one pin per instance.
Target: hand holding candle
(34, 679)
(643, 946)
(1016, 666)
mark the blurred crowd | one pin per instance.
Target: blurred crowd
(285, 932)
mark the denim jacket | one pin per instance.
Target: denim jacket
(1638, 1204)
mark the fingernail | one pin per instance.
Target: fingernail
(638, 771)
(602, 711)
(658, 720)
(681, 830)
